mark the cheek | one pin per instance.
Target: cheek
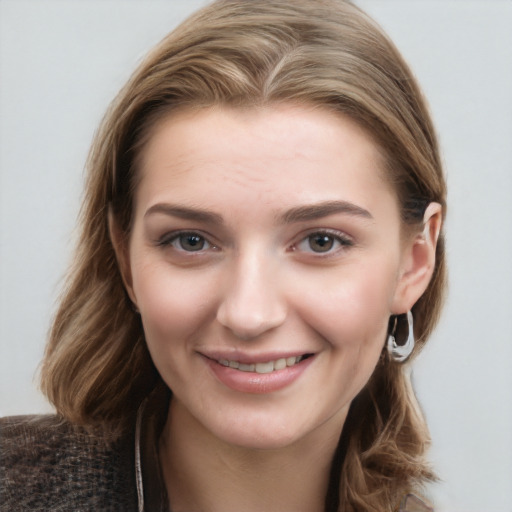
(352, 318)
(173, 303)
(351, 309)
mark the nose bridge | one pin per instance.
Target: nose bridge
(252, 302)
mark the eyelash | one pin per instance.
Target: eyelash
(171, 239)
(339, 241)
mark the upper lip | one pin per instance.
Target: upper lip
(247, 358)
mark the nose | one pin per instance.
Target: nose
(252, 303)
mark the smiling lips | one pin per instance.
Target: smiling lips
(266, 367)
(262, 376)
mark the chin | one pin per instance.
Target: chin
(263, 439)
(262, 430)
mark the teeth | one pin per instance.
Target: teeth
(280, 364)
(267, 367)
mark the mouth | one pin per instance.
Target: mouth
(264, 367)
(258, 374)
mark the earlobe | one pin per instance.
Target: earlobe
(121, 250)
(419, 261)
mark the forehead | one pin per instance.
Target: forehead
(281, 152)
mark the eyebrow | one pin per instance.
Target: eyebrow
(324, 209)
(186, 213)
(297, 214)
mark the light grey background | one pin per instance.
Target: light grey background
(62, 61)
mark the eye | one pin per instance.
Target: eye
(187, 242)
(320, 242)
(323, 242)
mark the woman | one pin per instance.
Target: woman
(260, 253)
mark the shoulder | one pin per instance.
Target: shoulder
(46, 463)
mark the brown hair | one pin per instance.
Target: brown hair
(328, 53)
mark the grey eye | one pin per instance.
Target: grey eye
(191, 242)
(321, 242)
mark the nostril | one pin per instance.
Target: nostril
(250, 323)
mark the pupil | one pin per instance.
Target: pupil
(192, 242)
(321, 243)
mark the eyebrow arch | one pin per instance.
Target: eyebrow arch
(324, 209)
(183, 212)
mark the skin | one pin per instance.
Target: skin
(302, 252)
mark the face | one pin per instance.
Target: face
(265, 259)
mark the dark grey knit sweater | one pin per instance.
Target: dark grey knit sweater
(47, 464)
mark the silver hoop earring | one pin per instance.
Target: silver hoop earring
(400, 353)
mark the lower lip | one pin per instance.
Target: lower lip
(258, 383)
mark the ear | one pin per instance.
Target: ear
(418, 261)
(121, 249)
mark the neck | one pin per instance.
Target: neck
(204, 473)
